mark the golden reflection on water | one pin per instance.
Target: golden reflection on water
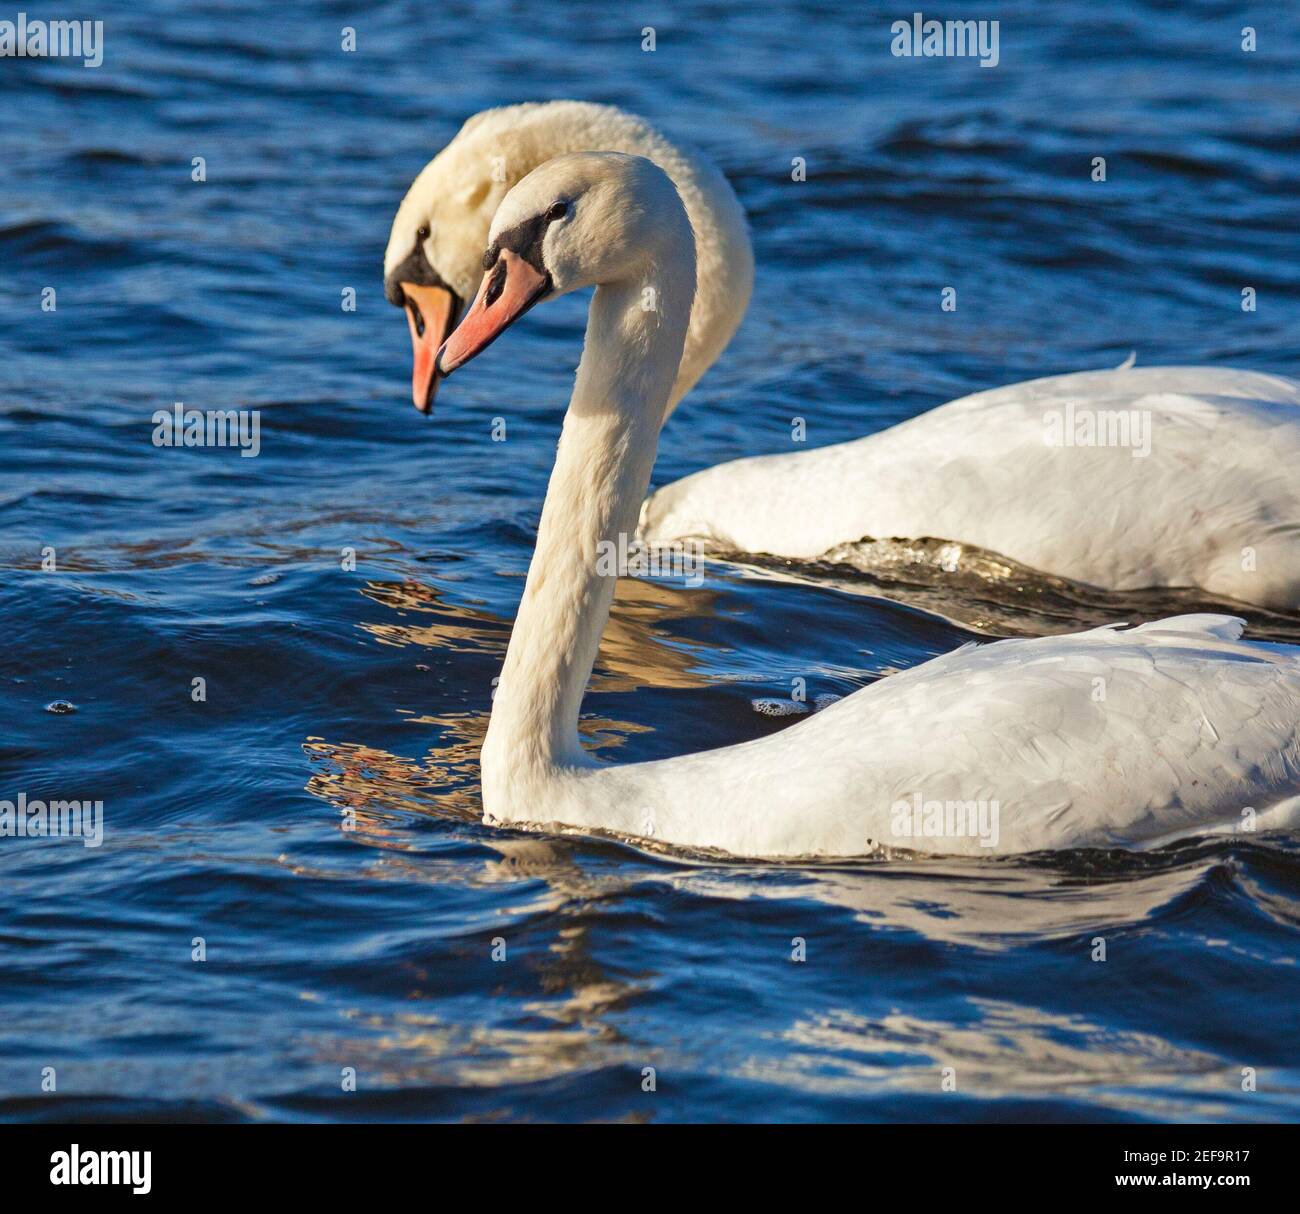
(368, 781)
(635, 651)
(457, 628)
(576, 995)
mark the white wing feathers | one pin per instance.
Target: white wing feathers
(1112, 737)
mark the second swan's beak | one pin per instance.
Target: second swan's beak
(430, 313)
(508, 290)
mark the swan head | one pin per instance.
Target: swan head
(433, 263)
(586, 219)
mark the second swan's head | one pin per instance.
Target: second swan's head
(581, 220)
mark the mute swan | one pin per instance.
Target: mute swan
(434, 259)
(1197, 492)
(1126, 479)
(1102, 738)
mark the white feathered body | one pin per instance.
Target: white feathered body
(1108, 738)
(1205, 491)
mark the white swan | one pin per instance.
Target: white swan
(1124, 479)
(1199, 490)
(434, 259)
(1103, 738)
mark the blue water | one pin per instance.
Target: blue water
(331, 691)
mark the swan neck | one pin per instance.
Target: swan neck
(602, 469)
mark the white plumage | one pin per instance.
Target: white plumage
(1201, 491)
(1108, 738)
(1113, 737)
(1214, 502)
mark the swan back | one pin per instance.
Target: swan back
(1109, 738)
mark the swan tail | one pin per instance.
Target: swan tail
(1224, 627)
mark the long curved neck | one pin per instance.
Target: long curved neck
(602, 469)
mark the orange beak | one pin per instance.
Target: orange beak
(430, 314)
(508, 290)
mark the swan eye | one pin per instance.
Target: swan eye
(422, 234)
(558, 210)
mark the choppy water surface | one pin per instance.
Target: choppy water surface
(331, 691)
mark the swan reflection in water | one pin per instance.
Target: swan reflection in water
(993, 596)
(568, 903)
